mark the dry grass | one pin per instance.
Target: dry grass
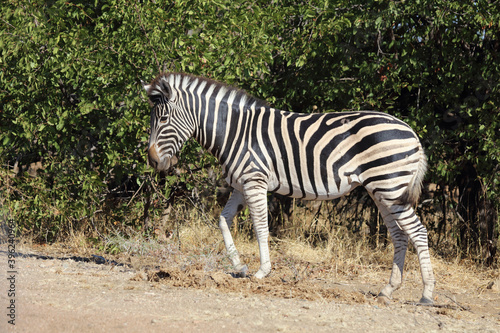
(190, 238)
(344, 259)
(345, 262)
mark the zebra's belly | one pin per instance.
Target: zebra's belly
(315, 194)
(302, 190)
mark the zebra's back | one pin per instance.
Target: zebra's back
(324, 156)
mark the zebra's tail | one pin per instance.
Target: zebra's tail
(412, 192)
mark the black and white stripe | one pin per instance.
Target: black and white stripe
(309, 156)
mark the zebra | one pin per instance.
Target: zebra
(318, 156)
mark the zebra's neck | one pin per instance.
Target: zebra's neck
(218, 112)
(221, 120)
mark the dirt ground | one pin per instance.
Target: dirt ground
(64, 292)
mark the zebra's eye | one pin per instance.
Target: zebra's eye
(163, 119)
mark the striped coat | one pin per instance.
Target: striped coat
(309, 156)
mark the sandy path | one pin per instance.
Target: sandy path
(55, 295)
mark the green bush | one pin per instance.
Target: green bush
(71, 96)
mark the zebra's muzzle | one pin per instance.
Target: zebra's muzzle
(160, 163)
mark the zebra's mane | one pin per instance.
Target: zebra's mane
(182, 81)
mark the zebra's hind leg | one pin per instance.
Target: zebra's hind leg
(400, 242)
(234, 205)
(404, 224)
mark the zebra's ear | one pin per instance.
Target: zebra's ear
(145, 86)
(160, 91)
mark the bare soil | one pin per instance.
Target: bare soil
(60, 291)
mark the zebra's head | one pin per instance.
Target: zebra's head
(169, 129)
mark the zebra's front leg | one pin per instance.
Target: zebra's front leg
(255, 191)
(233, 206)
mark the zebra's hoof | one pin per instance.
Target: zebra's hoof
(425, 301)
(383, 300)
(241, 271)
(260, 274)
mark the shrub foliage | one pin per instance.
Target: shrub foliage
(74, 119)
